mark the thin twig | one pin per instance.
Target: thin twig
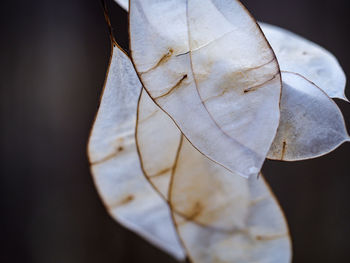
(108, 20)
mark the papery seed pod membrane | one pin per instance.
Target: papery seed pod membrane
(115, 164)
(220, 216)
(208, 65)
(311, 123)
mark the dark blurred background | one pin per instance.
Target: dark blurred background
(53, 61)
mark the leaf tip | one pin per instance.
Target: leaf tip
(345, 98)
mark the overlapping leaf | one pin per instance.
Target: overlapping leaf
(158, 140)
(317, 65)
(220, 217)
(239, 219)
(296, 54)
(217, 82)
(116, 170)
(299, 55)
(311, 123)
(260, 233)
(213, 72)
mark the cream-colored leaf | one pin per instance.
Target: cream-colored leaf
(221, 217)
(257, 231)
(311, 123)
(123, 3)
(158, 140)
(224, 217)
(296, 54)
(206, 193)
(207, 64)
(302, 56)
(115, 166)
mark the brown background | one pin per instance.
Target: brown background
(53, 58)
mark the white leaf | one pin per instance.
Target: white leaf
(115, 166)
(302, 56)
(158, 141)
(239, 219)
(297, 54)
(221, 217)
(263, 237)
(207, 64)
(311, 123)
(123, 3)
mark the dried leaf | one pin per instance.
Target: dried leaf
(297, 54)
(207, 64)
(158, 141)
(240, 219)
(206, 193)
(302, 56)
(127, 195)
(221, 217)
(311, 123)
